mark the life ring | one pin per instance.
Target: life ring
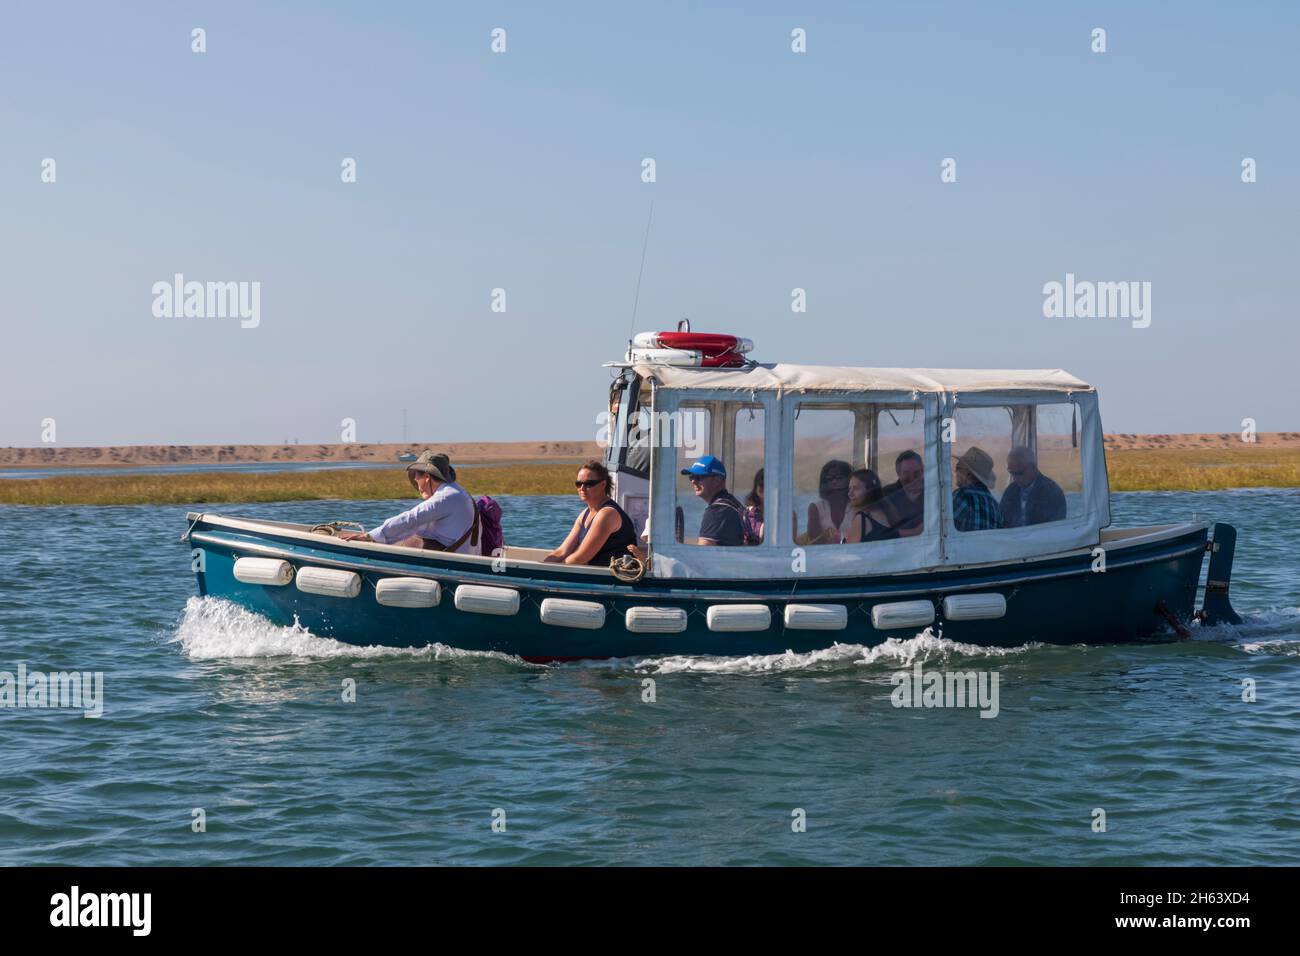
(685, 358)
(707, 343)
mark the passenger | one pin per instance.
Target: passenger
(602, 530)
(754, 504)
(445, 520)
(1032, 497)
(867, 520)
(905, 498)
(973, 506)
(721, 524)
(827, 513)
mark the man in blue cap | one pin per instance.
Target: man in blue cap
(721, 523)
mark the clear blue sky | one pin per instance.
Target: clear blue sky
(522, 171)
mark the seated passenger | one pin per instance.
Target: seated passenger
(1032, 497)
(754, 504)
(721, 523)
(973, 506)
(866, 520)
(445, 520)
(904, 500)
(827, 513)
(602, 530)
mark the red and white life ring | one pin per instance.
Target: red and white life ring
(707, 343)
(685, 358)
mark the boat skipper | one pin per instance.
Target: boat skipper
(445, 520)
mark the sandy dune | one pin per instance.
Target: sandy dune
(479, 452)
(1204, 440)
(463, 452)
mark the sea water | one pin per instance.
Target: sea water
(226, 739)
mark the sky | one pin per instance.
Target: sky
(523, 171)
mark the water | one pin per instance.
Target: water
(208, 707)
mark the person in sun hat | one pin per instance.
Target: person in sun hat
(444, 520)
(973, 506)
(721, 523)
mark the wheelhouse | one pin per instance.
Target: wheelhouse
(791, 420)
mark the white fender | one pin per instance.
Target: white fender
(481, 599)
(275, 572)
(974, 607)
(816, 617)
(739, 617)
(331, 582)
(655, 620)
(565, 613)
(899, 614)
(408, 592)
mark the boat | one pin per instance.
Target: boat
(1058, 575)
(407, 456)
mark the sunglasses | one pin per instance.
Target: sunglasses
(589, 483)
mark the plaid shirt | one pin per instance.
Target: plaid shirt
(975, 509)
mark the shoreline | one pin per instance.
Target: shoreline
(1150, 466)
(126, 456)
(484, 452)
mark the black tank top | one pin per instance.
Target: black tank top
(616, 544)
(878, 532)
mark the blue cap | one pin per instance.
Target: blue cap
(708, 465)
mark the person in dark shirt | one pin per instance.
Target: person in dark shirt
(721, 523)
(904, 500)
(1032, 497)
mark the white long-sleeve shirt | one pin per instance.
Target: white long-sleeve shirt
(444, 516)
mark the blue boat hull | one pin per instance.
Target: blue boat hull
(1145, 591)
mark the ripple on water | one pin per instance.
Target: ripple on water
(208, 706)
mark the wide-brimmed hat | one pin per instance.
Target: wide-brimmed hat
(980, 464)
(428, 463)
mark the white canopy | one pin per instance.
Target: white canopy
(783, 377)
(782, 390)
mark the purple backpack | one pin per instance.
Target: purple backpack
(490, 537)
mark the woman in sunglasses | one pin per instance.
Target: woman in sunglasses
(602, 530)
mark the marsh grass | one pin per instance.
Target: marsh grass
(1196, 469)
(1139, 469)
(353, 484)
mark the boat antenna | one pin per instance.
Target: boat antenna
(645, 244)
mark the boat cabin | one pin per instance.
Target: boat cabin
(800, 424)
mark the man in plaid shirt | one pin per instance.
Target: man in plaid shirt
(973, 506)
